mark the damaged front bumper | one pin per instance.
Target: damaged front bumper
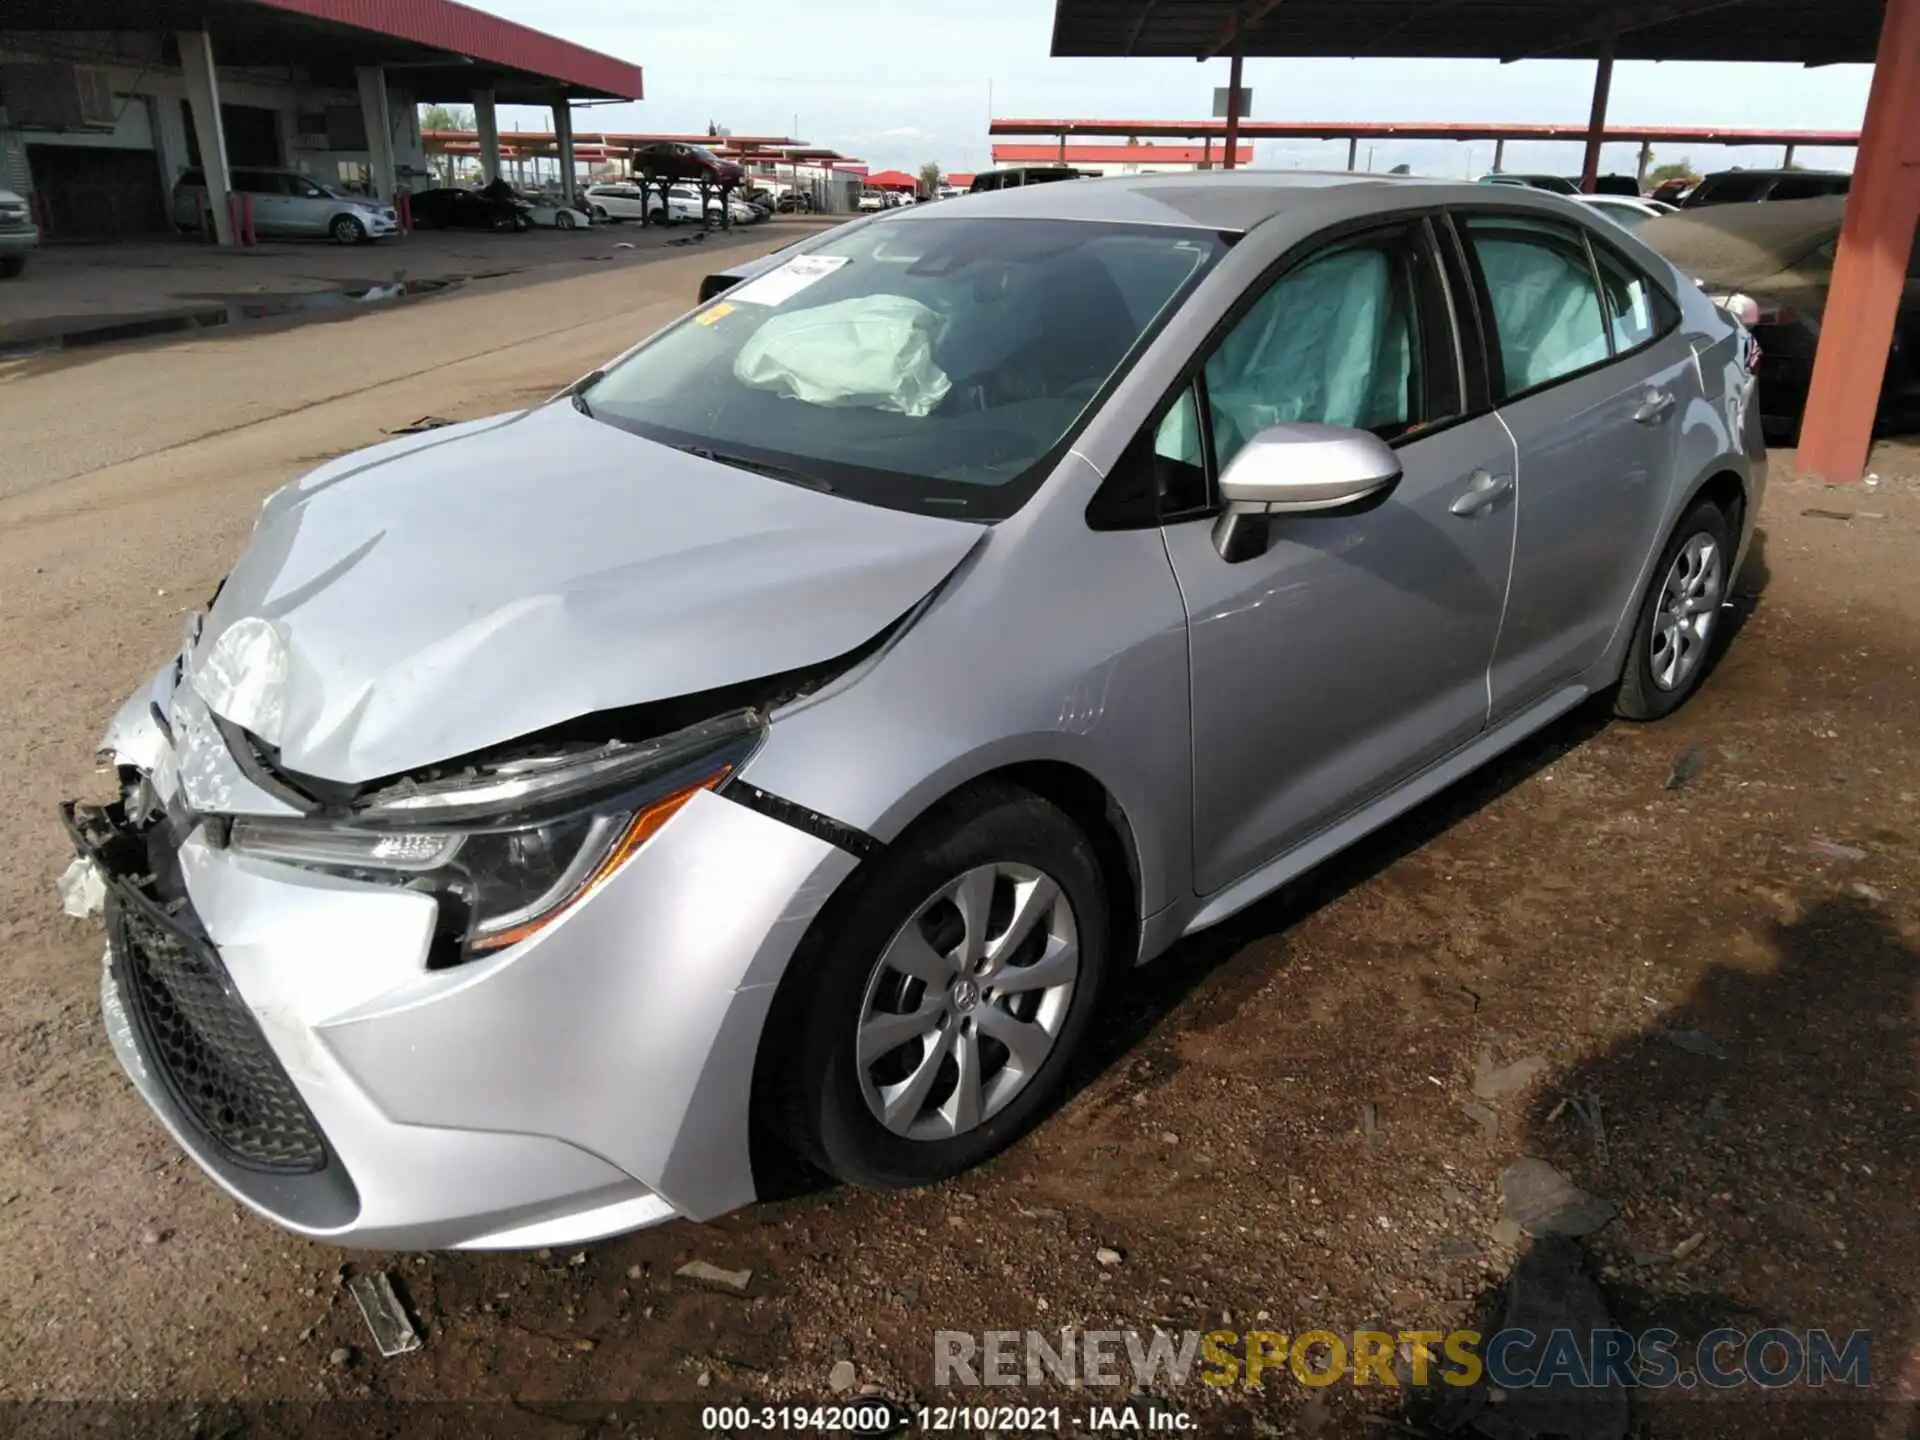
(287, 1027)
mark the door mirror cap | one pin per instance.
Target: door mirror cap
(1298, 468)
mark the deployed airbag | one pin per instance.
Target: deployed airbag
(874, 353)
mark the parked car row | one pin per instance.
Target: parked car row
(1725, 187)
(631, 200)
(288, 204)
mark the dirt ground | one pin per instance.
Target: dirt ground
(1275, 1132)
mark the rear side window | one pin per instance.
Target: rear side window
(1638, 311)
(1546, 307)
(1806, 187)
(1733, 188)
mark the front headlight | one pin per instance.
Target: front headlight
(509, 848)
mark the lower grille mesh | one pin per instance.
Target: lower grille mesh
(198, 1033)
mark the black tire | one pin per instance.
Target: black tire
(814, 1098)
(563, 220)
(521, 224)
(346, 230)
(1641, 696)
(11, 266)
(600, 214)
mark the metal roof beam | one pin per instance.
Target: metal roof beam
(1242, 22)
(1140, 25)
(1621, 21)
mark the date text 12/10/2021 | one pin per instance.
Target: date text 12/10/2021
(875, 1418)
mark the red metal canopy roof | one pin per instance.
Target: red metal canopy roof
(1420, 130)
(893, 180)
(461, 30)
(1120, 154)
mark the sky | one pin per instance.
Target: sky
(898, 85)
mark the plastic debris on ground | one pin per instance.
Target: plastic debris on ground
(82, 891)
(393, 1330)
(712, 1277)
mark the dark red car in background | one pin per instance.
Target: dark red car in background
(676, 160)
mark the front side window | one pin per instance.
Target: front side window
(935, 365)
(1333, 341)
(1546, 307)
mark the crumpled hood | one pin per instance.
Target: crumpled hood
(452, 591)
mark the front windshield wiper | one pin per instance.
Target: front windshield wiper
(577, 392)
(757, 467)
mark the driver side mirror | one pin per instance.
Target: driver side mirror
(1298, 469)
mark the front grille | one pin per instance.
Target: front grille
(200, 1037)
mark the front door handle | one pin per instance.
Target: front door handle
(1483, 490)
(1654, 407)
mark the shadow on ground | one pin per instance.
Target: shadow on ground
(1787, 1097)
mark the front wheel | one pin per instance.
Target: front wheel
(347, 231)
(937, 1024)
(11, 266)
(1674, 634)
(600, 214)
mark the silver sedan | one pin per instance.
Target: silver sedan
(799, 726)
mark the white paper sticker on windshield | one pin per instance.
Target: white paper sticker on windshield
(788, 281)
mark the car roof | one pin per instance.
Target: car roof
(1780, 174)
(1229, 200)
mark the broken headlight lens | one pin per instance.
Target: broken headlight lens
(514, 846)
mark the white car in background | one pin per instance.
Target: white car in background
(1626, 211)
(549, 214)
(683, 207)
(18, 234)
(619, 201)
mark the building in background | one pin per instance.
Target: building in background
(104, 104)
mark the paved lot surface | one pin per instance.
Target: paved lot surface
(72, 287)
(1276, 1130)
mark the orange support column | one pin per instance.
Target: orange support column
(1596, 119)
(1233, 108)
(1869, 273)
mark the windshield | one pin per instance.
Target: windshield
(935, 365)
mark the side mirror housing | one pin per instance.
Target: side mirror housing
(1300, 468)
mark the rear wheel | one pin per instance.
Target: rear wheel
(11, 266)
(938, 1022)
(347, 231)
(1678, 621)
(564, 220)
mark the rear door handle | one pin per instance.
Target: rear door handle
(1483, 490)
(1654, 407)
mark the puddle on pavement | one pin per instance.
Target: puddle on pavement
(36, 338)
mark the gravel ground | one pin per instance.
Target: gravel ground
(1677, 962)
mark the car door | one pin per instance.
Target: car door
(1340, 652)
(266, 198)
(1593, 377)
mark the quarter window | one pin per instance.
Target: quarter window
(1334, 341)
(1637, 311)
(1546, 307)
